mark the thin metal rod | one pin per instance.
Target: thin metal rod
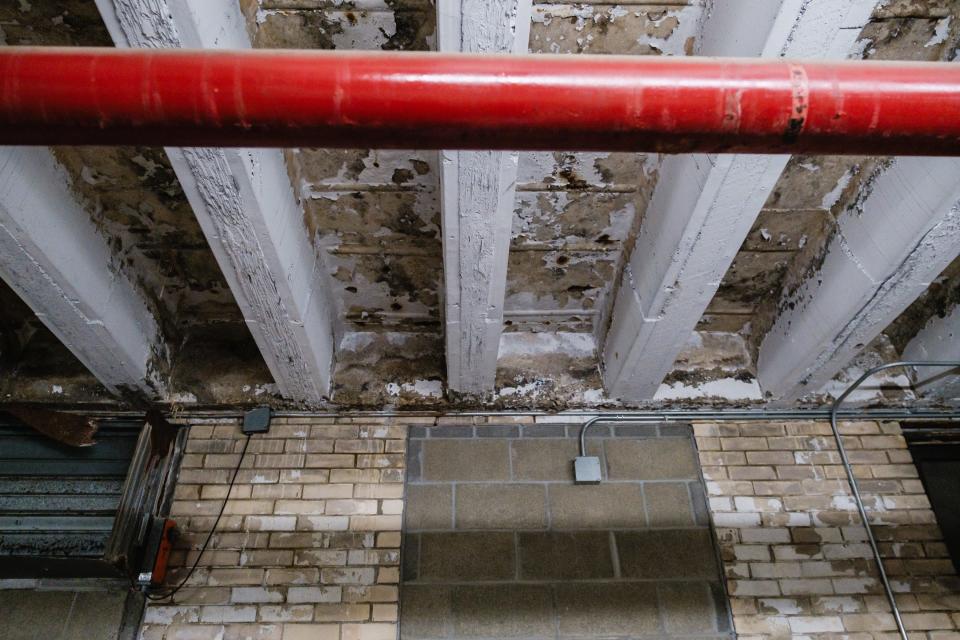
(728, 415)
(614, 419)
(855, 487)
(100, 96)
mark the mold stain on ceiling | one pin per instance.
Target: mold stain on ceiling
(374, 218)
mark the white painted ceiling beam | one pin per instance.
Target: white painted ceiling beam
(883, 255)
(939, 339)
(704, 205)
(478, 192)
(246, 207)
(52, 255)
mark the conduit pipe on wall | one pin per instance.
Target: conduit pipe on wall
(855, 487)
(455, 101)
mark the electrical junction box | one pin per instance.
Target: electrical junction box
(256, 421)
(586, 470)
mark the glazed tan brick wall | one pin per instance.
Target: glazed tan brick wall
(309, 546)
(796, 560)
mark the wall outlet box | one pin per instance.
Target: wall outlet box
(586, 470)
(256, 421)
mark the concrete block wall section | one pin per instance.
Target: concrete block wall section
(63, 610)
(795, 555)
(499, 542)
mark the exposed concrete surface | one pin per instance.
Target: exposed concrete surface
(374, 219)
(26, 614)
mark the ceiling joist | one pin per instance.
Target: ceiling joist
(884, 253)
(52, 255)
(246, 207)
(477, 199)
(704, 205)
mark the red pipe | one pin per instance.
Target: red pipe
(380, 100)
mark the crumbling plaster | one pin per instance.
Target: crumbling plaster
(376, 215)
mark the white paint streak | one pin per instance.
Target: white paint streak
(881, 259)
(246, 207)
(940, 33)
(53, 257)
(831, 199)
(724, 389)
(524, 343)
(704, 206)
(477, 186)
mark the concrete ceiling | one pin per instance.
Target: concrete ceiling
(375, 219)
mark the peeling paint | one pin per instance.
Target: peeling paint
(940, 33)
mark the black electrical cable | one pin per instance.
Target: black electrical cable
(213, 529)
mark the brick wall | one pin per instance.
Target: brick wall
(499, 542)
(309, 545)
(795, 557)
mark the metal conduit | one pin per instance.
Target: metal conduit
(852, 480)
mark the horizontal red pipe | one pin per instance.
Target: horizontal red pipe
(423, 101)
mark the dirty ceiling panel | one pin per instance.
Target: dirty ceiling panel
(18, 326)
(383, 168)
(375, 214)
(797, 221)
(394, 290)
(753, 277)
(33, 361)
(555, 369)
(135, 200)
(382, 218)
(576, 214)
(916, 8)
(391, 25)
(573, 219)
(560, 290)
(914, 38)
(390, 369)
(626, 29)
(546, 170)
(53, 23)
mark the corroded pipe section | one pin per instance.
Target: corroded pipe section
(415, 100)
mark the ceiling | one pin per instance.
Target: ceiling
(375, 218)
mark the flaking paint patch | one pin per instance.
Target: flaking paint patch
(403, 369)
(940, 33)
(634, 29)
(727, 389)
(831, 199)
(135, 199)
(569, 219)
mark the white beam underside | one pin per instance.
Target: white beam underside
(938, 340)
(704, 205)
(882, 257)
(478, 192)
(246, 207)
(52, 255)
